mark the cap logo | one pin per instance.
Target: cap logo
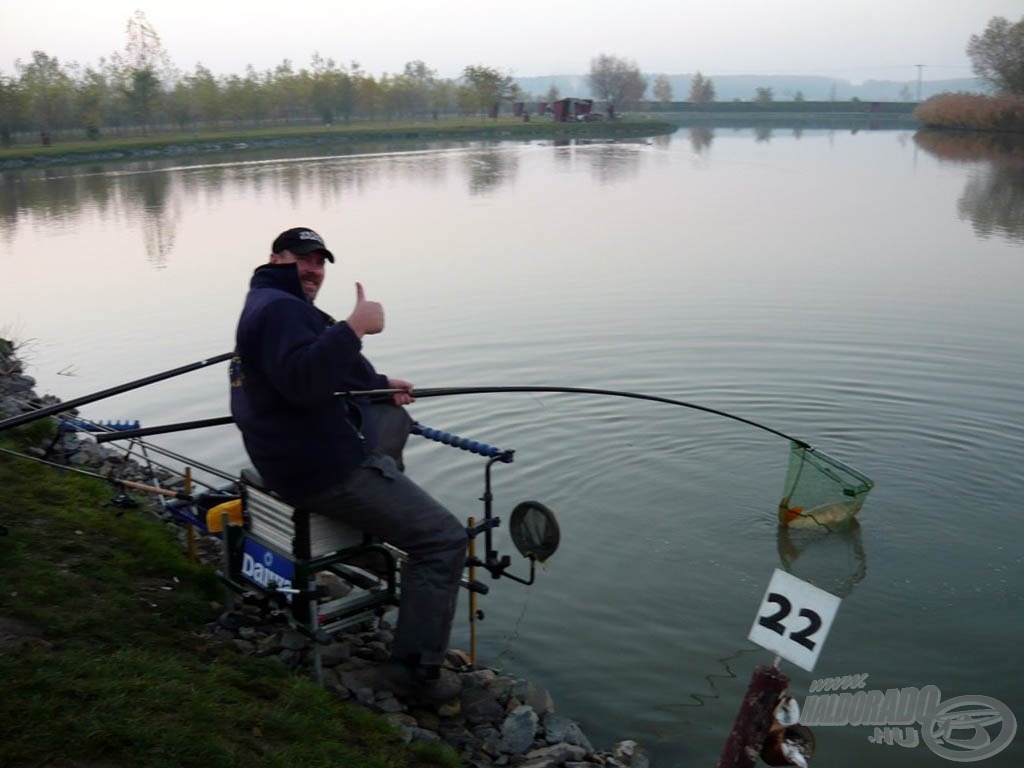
(308, 234)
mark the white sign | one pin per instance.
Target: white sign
(794, 619)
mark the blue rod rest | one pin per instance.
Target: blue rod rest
(66, 424)
(473, 446)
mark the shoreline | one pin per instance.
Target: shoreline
(495, 718)
(212, 143)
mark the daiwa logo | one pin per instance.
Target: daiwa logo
(264, 567)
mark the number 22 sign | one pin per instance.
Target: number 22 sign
(794, 619)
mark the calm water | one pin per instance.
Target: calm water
(861, 291)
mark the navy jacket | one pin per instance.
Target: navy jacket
(289, 360)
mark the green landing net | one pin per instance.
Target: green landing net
(820, 490)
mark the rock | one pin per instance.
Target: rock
(293, 641)
(560, 753)
(630, 754)
(479, 705)
(561, 729)
(332, 655)
(518, 730)
(423, 736)
(538, 698)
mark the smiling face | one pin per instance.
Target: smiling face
(310, 266)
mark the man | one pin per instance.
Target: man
(338, 456)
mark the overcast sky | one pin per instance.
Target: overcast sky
(855, 40)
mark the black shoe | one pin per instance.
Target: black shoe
(436, 685)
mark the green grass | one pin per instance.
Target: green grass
(445, 128)
(121, 672)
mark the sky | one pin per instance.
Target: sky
(854, 40)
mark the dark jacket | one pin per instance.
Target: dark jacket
(289, 360)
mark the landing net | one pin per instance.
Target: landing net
(820, 490)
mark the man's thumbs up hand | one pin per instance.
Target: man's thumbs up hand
(367, 316)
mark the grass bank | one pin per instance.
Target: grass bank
(122, 148)
(105, 659)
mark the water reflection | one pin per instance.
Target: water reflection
(486, 171)
(701, 137)
(993, 198)
(833, 560)
(608, 161)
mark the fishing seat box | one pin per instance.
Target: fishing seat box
(289, 529)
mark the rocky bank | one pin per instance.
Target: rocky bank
(489, 717)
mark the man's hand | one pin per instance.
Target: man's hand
(367, 316)
(405, 397)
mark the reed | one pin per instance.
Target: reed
(973, 112)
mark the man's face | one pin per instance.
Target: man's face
(311, 269)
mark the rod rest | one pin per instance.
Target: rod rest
(71, 424)
(473, 446)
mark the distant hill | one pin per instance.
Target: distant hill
(784, 87)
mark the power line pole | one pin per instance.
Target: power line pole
(919, 68)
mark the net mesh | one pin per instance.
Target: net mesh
(820, 490)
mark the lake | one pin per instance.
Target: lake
(858, 289)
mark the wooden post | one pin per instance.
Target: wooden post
(472, 596)
(749, 730)
(190, 532)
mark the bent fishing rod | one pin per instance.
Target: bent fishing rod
(382, 394)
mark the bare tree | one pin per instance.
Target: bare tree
(662, 89)
(997, 55)
(702, 90)
(616, 80)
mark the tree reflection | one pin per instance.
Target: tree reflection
(489, 169)
(613, 162)
(993, 199)
(160, 212)
(701, 137)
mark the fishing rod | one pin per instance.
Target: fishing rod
(381, 394)
(169, 493)
(96, 429)
(25, 418)
(446, 391)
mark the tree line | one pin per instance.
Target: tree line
(140, 90)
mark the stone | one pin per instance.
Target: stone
(480, 705)
(538, 698)
(630, 754)
(518, 730)
(559, 753)
(423, 736)
(332, 655)
(558, 729)
(293, 641)
(389, 704)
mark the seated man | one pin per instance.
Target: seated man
(337, 456)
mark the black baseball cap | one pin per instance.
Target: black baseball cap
(300, 240)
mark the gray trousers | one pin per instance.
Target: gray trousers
(379, 499)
